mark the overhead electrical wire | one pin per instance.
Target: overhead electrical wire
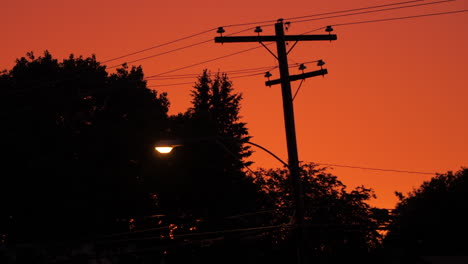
(163, 53)
(232, 78)
(293, 18)
(245, 24)
(176, 49)
(300, 21)
(209, 233)
(170, 84)
(233, 72)
(351, 10)
(342, 11)
(210, 60)
(159, 45)
(386, 19)
(374, 11)
(242, 51)
(251, 23)
(230, 72)
(377, 169)
(399, 18)
(236, 74)
(339, 24)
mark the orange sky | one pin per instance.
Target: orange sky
(394, 98)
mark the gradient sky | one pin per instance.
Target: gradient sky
(395, 96)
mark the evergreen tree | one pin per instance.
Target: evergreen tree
(216, 114)
(216, 107)
(208, 178)
(206, 186)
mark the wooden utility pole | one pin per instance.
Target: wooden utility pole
(285, 79)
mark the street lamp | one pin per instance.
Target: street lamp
(166, 146)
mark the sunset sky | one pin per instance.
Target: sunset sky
(395, 97)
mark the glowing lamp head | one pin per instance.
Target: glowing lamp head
(164, 150)
(166, 146)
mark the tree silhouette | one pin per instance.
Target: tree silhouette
(337, 222)
(216, 107)
(431, 220)
(76, 141)
(210, 177)
(205, 184)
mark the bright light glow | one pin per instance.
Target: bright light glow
(164, 150)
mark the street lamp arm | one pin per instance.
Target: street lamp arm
(269, 152)
(220, 139)
(165, 146)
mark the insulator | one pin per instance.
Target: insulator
(220, 30)
(329, 29)
(302, 67)
(258, 29)
(267, 74)
(320, 63)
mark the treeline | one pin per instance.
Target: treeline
(79, 169)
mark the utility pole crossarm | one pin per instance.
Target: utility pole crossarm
(274, 38)
(298, 77)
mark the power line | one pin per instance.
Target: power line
(162, 75)
(354, 9)
(245, 24)
(170, 84)
(220, 232)
(210, 60)
(399, 18)
(251, 23)
(388, 19)
(160, 45)
(165, 52)
(232, 72)
(184, 83)
(377, 169)
(340, 24)
(174, 50)
(257, 22)
(234, 230)
(333, 12)
(374, 11)
(350, 10)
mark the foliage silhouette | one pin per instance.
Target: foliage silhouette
(337, 222)
(206, 184)
(80, 164)
(431, 220)
(207, 176)
(75, 138)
